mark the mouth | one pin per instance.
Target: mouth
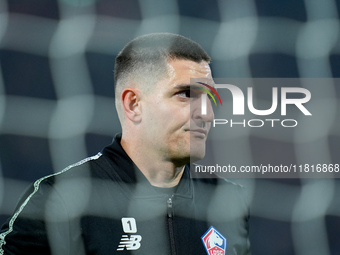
(199, 132)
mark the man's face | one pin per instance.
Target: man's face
(172, 123)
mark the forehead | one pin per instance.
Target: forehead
(184, 70)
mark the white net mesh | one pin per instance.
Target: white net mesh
(57, 97)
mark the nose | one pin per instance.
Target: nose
(202, 110)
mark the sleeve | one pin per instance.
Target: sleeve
(25, 231)
(47, 220)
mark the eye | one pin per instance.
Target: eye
(184, 93)
(188, 93)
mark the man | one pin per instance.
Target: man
(136, 196)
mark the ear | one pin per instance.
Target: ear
(131, 104)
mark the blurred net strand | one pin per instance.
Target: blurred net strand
(316, 42)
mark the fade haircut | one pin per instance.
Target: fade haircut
(144, 60)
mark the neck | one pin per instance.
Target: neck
(159, 172)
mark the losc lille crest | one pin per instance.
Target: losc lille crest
(214, 242)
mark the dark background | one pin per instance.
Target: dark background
(57, 97)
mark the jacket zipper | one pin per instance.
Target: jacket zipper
(171, 226)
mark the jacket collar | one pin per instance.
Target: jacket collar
(124, 170)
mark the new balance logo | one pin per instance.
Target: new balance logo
(129, 243)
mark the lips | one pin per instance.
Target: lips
(199, 132)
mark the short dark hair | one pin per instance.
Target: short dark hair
(154, 50)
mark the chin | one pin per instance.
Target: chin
(190, 151)
(187, 158)
(197, 146)
(196, 154)
(195, 158)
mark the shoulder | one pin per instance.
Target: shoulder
(55, 185)
(221, 190)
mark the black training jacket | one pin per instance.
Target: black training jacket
(104, 205)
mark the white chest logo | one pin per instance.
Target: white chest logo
(129, 242)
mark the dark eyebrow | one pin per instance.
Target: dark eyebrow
(192, 87)
(189, 86)
(182, 86)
